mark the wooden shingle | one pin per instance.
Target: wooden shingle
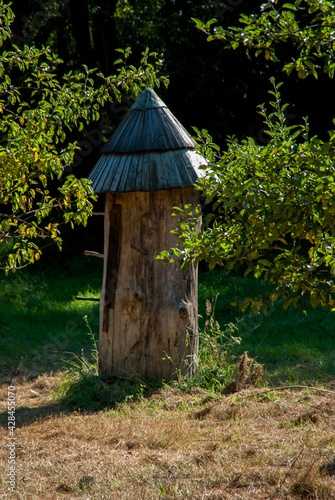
(149, 151)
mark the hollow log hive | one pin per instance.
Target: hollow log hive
(148, 309)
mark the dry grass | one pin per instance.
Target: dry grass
(173, 445)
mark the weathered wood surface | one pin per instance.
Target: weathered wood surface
(146, 172)
(149, 151)
(148, 309)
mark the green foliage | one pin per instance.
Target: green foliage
(307, 25)
(83, 366)
(127, 12)
(216, 367)
(39, 110)
(272, 211)
(293, 348)
(271, 207)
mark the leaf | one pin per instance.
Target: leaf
(199, 24)
(255, 306)
(289, 6)
(287, 303)
(244, 306)
(315, 299)
(302, 73)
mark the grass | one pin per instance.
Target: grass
(293, 348)
(41, 320)
(42, 323)
(174, 445)
(79, 435)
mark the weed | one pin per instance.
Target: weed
(249, 373)
(85, 482)
(327, 469)
(82, 377)
(294, 349)
(215, 368)
(82, 366)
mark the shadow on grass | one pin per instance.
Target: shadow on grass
(90, 394)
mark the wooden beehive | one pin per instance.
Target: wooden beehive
(148, 309)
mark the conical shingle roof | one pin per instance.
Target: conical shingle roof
(149, 151)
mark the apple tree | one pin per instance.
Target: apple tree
(40, 113)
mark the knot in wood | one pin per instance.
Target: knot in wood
(183, 312)
(138, 296)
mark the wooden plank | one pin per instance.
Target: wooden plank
(112, 253)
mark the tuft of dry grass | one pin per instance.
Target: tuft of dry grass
(248, 373)
(173, 445)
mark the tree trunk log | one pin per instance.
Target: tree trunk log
(149, 314)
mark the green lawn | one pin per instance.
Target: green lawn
(293, 347)
(42, 322)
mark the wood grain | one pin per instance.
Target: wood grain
(148, 308)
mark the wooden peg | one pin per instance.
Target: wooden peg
(135, 247)
(94, 254)
(93, 299)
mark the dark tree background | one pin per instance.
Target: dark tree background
(210, 87)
